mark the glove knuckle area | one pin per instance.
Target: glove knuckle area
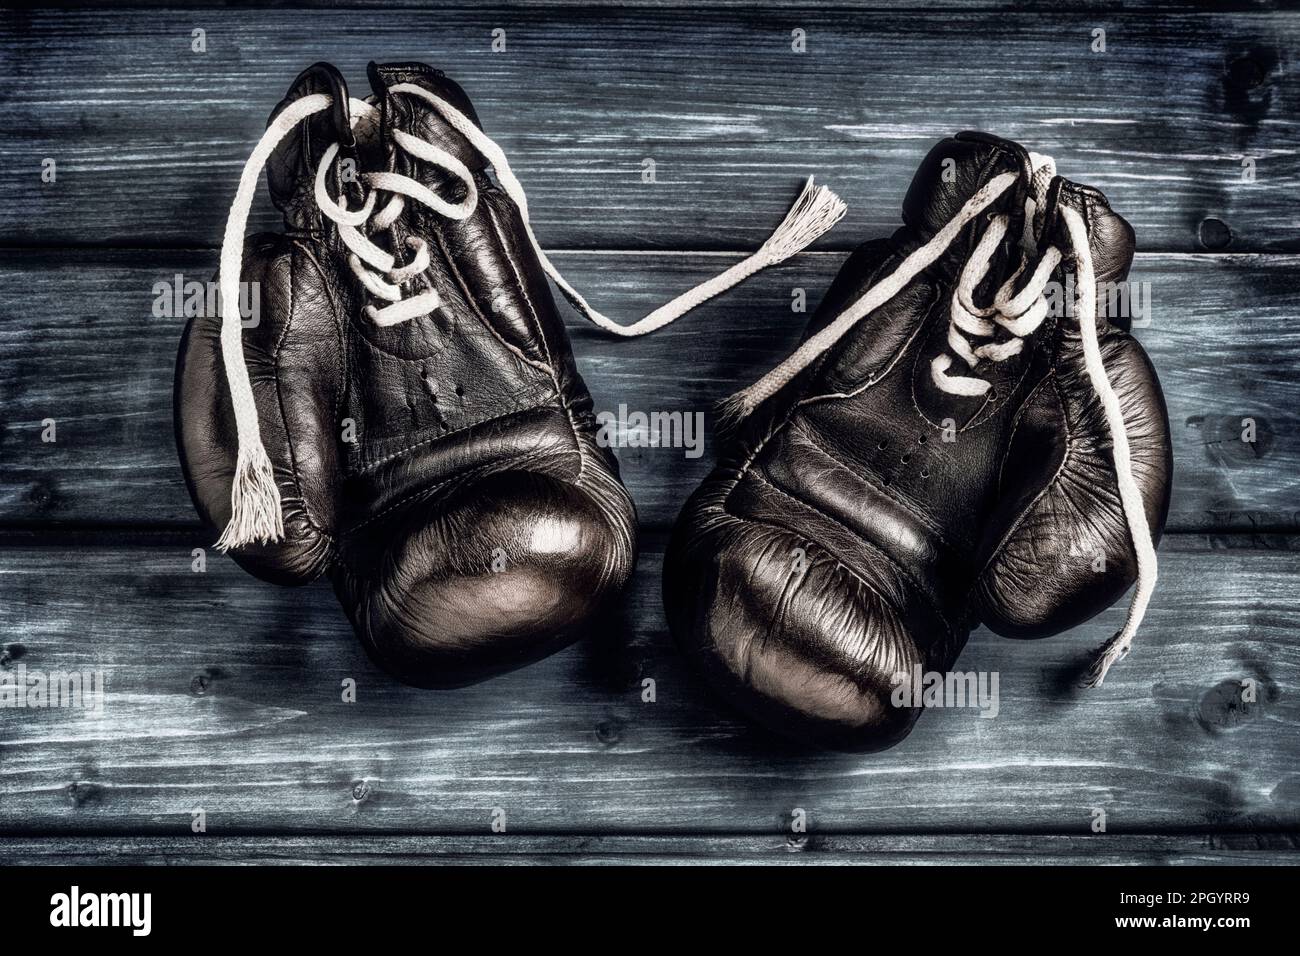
(498, 571)
(803, 630)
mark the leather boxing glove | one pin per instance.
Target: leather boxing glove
(428, 433)
(405, 415)
(962, 436)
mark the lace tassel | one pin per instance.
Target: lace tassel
(1112, 652)
(732, 410)
(729, 412)
(254, 497)
(816, 210)
(814, 213)
(255, 514)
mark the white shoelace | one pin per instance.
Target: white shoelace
(255, 498)
(1020, 314)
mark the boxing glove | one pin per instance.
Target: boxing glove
(962, 436)
(404, 413)
(431, 440)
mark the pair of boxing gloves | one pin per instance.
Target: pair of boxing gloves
(959, 439)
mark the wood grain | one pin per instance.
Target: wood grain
(79, 345)
(667, 7)
(149, 145)
(1192, 849)
(224, 694)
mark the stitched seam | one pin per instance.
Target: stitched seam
(921, 591)
(541, 337)
(499, 464)
(279, 395)
(341, 387)
(431, 356)
(868, 480)
(1051, 483)
(777, 427)
(876, 379)
(1016, 422)
(549, 363)
(372, 465)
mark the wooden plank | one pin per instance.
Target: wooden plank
(1194, 849)
(79, 345)
(223, 693)
(658, 6)
(149, 147)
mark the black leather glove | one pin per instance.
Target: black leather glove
(424, 426)
(942, 450)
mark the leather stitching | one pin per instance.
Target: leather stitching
(1047, 487)
(922, 593)
(372, 465)
(866, 479)
(548, 365)
(495, 466)
(288, 435)
(780, 425)
(541, 337)
(1021, 412)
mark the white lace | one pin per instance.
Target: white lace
(255, 498)
(1020, 314)
(375, 268)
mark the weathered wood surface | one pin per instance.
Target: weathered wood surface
(80, 345)
(149, 137)
(669, 7)
(1194, 849)
(225, 694)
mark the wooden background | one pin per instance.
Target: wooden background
(223, 692)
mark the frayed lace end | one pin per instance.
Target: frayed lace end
(1112, 652)
(254, 504)
(815, 212)
(731, 412)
